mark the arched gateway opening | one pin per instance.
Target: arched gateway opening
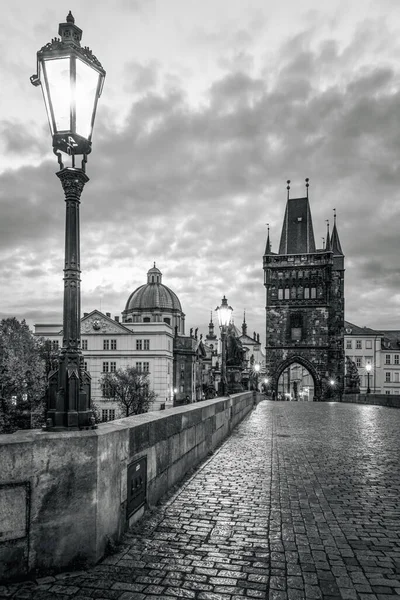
(297, 380)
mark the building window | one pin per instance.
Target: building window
(387, 377)
(396, 377)
(107, 414)
(287, 293)
(139, 345)
(113, 344)
(387, 359)
(313, 292)
(84, 344)
(54, 345)
(349, 345)
(113, 366)
(368, 344)
(296, 326)
(105, 367)
(146, 344)
(300, 292)
(358, 361)
(293, 293)
(106, 344)
(85, 366)
(306, 293)
(396, 359)
(387, 392)
(358, 345)
(280, 294)
(181, 389)
(138, 366)
(146, 367)
(167, 320)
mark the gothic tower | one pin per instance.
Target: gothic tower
(305, 301)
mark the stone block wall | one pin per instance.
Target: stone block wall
(392, 401)
(63, 496)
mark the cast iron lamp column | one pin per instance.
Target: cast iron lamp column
(224, 316)
(72, 79)
(368, 369)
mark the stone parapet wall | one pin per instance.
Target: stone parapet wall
(376, 399)
(64, 495)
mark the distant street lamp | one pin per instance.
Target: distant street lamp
(72, 79)
(224, 317)
(368, 368)
(257, 368)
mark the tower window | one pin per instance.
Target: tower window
(313, 292)
(296, 326)
(287, 293)
(306, 293)
(280, 294)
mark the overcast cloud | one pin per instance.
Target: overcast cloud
(206, 111)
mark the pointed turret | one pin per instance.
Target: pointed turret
(268, 244)
(244, 324)
(336, 247)
(328, 247)
(211, 335)
(297, 232)
(338, 256)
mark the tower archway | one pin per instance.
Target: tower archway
(301, 382)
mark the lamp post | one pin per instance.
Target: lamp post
(257, 367)
(72, 79)
(266, 381)
(368, 368)
(224, 316)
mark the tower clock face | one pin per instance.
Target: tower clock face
(96, 324)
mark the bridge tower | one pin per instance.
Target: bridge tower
(305, 301)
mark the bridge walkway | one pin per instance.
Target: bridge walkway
(301, 502)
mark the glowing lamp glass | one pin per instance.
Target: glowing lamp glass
(71, 89)
(368, 368)
(224, 313)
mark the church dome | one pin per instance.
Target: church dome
(153, 296)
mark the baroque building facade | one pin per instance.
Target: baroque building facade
(304, 300)
(145, 338)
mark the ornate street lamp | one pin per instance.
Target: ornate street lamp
(72, 79)
(224, 317)
(257, 368)
(368, 368)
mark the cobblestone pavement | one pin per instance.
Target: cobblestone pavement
(302, 501)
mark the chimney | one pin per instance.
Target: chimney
(116, 318)
(108, 315)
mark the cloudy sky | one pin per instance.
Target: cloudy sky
(208, 107)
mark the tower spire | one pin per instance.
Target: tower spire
(307, 185)
(335, 242)
(268, 244)
(297, 235)
(244, 324)
(328, 246)
(288, 188)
